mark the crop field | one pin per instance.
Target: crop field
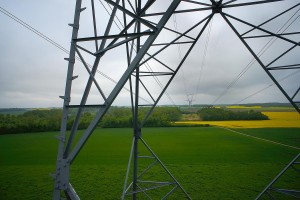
(209, 162)
(277, 119)
(262, 108)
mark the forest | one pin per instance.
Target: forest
(40, 120)
(50, 120)
(219, 114)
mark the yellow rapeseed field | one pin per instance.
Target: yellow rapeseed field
(242, 107)
(277, 119)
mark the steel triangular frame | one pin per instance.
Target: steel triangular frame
(65, 155)
(138, 55)
(266, 68)
(128, 189)
(288, 192)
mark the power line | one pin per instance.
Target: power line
(180, 58)
(10, 15)
(109, 13)
(203, 58)
(27, 26)
(263, 89)
(190, 97)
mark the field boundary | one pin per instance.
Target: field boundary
(271, 141)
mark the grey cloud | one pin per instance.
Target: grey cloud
(32, 72)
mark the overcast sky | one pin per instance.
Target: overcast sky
(33, 72)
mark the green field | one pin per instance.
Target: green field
(210, 163)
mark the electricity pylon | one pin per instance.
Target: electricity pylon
(140, 34)
(272, 189)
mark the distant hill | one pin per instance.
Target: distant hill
(13, 111)
(273, 104)
(262, 107)
(268, 104)
(17, 111)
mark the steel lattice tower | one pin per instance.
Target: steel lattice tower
(141, 37)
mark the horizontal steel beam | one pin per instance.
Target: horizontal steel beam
(113, 36)
(179, 11)
(160, 44)
(250, 3)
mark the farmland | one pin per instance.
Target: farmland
(210, 163)
(277, 119)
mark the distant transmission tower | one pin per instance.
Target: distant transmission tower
(137, 33)
(189, 100)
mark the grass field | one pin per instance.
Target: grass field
(210, 163)
(277, 120)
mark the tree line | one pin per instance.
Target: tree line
(122, 117)
(31, 121)
(116, 117)
(219, 114)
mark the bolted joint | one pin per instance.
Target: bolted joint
(217, 7)
(138, 132)
(62, 177)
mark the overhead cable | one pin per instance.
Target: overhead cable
(263, 89)
(203, 59)
(38, 33)
(180, 58)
